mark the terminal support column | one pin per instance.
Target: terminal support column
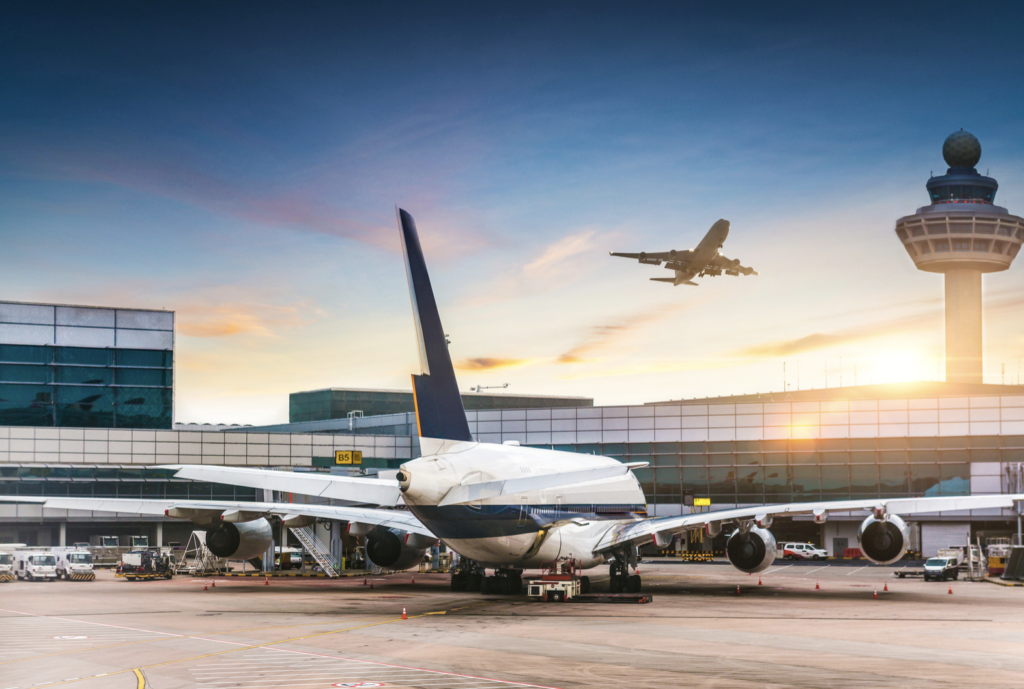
(963, 326)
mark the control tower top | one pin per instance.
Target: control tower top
(962, 228)
(962, 183)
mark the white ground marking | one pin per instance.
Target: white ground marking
(816, 569)
(857, 570)
(282, 667)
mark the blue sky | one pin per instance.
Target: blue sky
(240, 164)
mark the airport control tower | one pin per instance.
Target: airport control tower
(962, 234)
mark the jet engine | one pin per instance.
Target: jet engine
(394, 549)
(752, 551)
(243, 541)
(883, 541)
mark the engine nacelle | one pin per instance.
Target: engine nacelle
(883, 541)
(753, 551)
(243, 541)
(387, 548)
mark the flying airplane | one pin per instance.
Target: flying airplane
(506, 508)
(704, 260)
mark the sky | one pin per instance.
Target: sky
(240, 164)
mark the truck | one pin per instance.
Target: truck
(35, 565)
(145, 564)
(74, 564)
(6, 567)
(560, 582)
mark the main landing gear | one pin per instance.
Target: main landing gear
(472, 577)
(620, 580)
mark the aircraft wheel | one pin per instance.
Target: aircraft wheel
(475, 582)
(633, 583)
(614, 585)
(458, 583)
(584, 584)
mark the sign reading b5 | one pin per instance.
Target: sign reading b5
(348, 457)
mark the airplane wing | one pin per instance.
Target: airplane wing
(731, 266)
(656, 258)
(372, 491)
(643, 531)
(184, 509)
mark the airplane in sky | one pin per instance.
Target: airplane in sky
(691, 263)
(503, 508)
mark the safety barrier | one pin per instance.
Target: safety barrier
(698, 556)
(81, 576)
(7, 576)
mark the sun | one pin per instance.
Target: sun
(901, 366)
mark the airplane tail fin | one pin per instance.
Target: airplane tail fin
(439, 410)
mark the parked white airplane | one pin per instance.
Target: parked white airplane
(697, 262)
(507, 507)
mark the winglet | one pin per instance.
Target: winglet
(439, 411)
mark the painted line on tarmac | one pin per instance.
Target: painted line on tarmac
(141, 677)
(858, 569)
(815, 570)
(266, 645)
(777, 569)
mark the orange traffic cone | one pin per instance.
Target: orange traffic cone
(213, 584)
(759, 581)
(371, 584)
(876, 594)
(414, 578)
(951, 589)
(205, 587)
(403, 614)
(364, 581)
(266, 581)
(817, 586)
(886, 589)
(737, 589)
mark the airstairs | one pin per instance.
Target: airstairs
(315, 547)
(197, 560)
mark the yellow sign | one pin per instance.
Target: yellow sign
(702, 502)
(348, 457)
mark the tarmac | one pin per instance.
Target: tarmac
(697, 632)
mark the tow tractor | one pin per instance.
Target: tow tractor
(145, 564)
(559, 582)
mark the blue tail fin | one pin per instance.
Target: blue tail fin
(439, 411)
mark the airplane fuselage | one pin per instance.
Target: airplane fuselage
(705, 252)
(523, 530)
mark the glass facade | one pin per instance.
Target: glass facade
(112, 482)
(770, 471)
(84, 387)
(336, 403)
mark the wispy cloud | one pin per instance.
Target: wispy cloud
(600, 336)
(224, 320)
(488, 363)
(816, 341)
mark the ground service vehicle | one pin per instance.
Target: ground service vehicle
(35, 565)
(941, 569)
(803, 551)
(561, 581)
(6, 567)
(74, 564)
(145, 564)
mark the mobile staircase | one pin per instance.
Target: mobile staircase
(315, 547)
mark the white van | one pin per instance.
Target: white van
(35, 565)
(74, 564)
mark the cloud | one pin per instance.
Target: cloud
(487, 363)
(816, 341)
(561, 251)
(602, 335)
